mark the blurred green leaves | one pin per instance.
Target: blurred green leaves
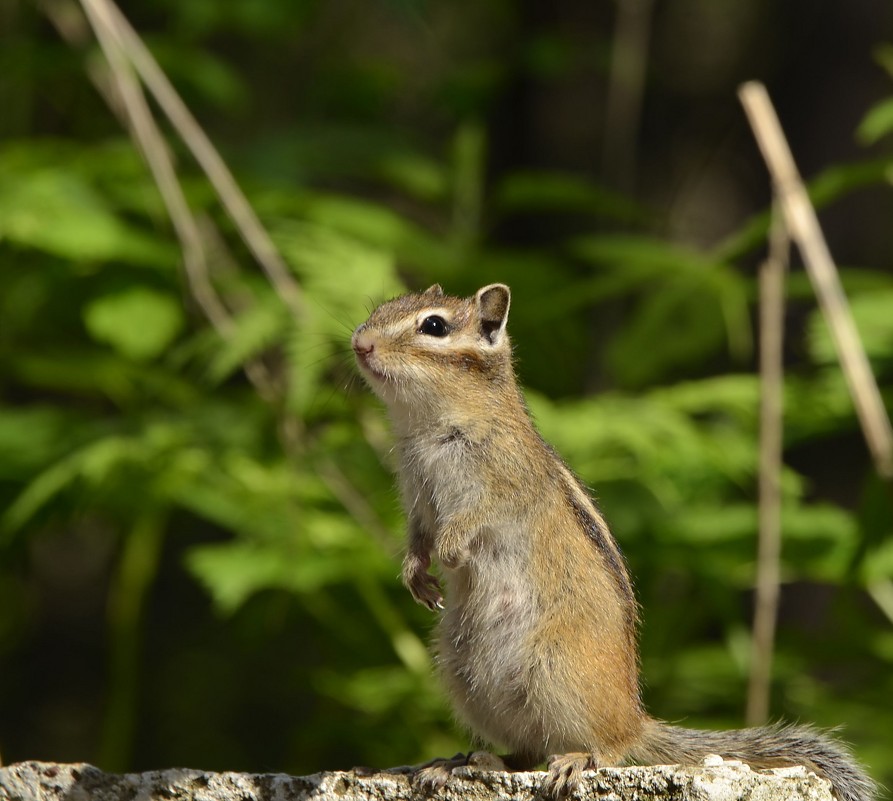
(139, 322)
(52, 208)
(693, 305)
(154, 419)
(874, 321)
(877, 123)
(151, 417)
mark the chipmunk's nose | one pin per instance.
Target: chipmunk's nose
(362, 342)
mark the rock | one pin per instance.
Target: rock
(714, 781)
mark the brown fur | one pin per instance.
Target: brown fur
(537, 646)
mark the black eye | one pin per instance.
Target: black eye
(434, 326)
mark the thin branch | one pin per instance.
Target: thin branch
(124, 96)
(151, 143)
(803, 224)
(772, 276)
(231, 196)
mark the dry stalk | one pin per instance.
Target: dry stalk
(151, 144)
(803, 226)
(772, 278)
(231, 196)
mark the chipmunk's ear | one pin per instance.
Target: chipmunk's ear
(434, 289)
(493, 311)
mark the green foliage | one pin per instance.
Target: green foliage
(704, 304)
(227, 490)
(878, 121)
(874, 321)
(139, 322)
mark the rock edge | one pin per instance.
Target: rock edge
(715, 780)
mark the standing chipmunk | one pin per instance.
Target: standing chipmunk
(537, 643)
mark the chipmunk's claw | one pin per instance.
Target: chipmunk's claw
(435, 774)
(565, 772)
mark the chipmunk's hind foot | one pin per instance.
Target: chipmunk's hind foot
(434, 774)
(565, 772)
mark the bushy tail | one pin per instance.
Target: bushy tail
(763, 747)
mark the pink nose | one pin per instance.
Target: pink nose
(362, 343)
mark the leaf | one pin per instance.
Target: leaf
(302, 562)
(373, 691)
(873, 315)
(233, 572)
(38, 493)
(254, 330)
(90, 372)
(671, 329)
(208, 75)
(420, 177)
(640, 256)
(703, 526)
(819, 405)
(56, 211)
(691, 304)
(646, 440)
(883, 55)
(878, 563)
(736, 396)
(100, 461)
(819, 542)
(373, 224)
(877, 122)
(328, 261)
(830, 185)
(138, 322)
(30, 437)
(555, 192)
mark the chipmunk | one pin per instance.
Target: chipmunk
(537, 642)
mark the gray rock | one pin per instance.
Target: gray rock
(715, 780)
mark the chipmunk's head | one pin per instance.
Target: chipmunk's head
(424, 346)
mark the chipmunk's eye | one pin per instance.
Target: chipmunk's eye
(434, 326)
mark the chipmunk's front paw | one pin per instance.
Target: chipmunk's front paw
(565, 771)
(425, 589)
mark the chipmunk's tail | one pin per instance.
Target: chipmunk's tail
(763, 747)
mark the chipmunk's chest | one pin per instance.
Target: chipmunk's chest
(491, 592)
(447, 468)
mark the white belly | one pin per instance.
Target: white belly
(484, 650)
